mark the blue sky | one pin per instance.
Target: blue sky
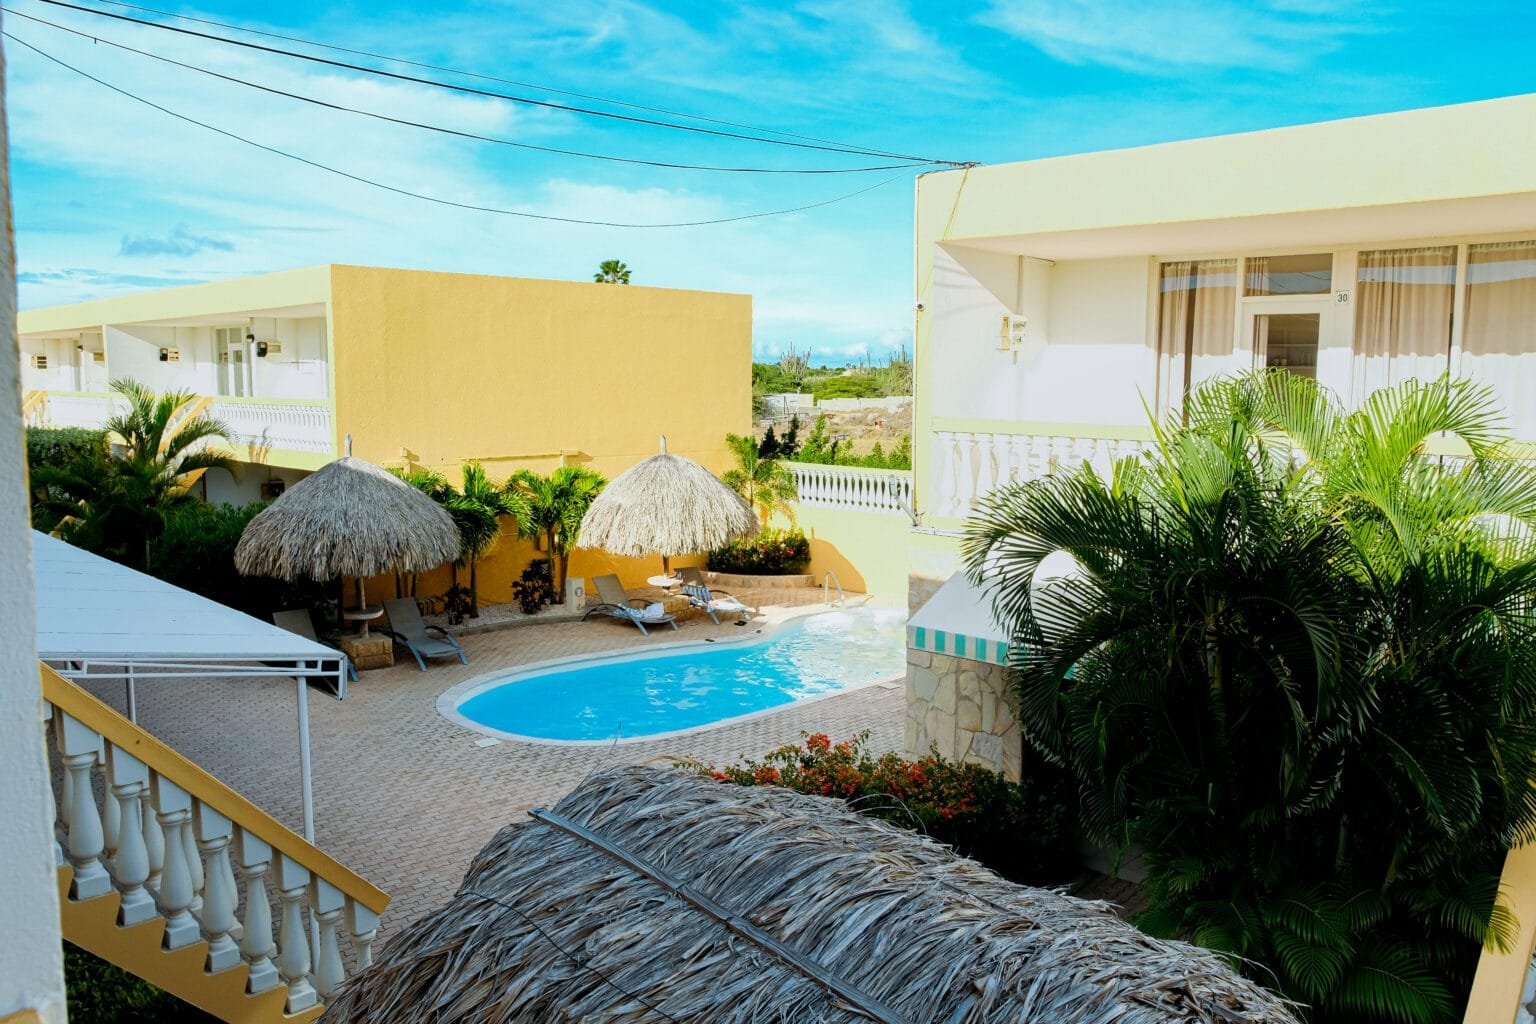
(111, 196)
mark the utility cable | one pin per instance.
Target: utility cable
(509, 97)
(461, 72)
(450, 131)
(419, 195)
(572, 957)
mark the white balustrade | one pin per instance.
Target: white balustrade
(969, 465)
(851, 487)
(179, 856)
(282, 426)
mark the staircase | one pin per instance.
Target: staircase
(176, 878)
(34, 406)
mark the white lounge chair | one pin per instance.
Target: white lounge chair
(297, 620)
(407, 629)
(700, 596)
(617, 604)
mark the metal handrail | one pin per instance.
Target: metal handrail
(826, 594)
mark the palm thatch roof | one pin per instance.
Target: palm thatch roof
(349, 518)
(666, 505)
(653, 895)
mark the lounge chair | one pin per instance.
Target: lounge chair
(297, 620)
(422, 640)
(700, 596)
(617, 604)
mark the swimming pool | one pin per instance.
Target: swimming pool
(632, 696)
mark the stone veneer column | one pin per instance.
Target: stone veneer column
(965, 709)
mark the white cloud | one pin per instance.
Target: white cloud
(1177, 35)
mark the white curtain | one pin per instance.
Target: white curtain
(1403, 300)
(1498, 346)
(1197, 306)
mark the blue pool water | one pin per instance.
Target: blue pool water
(644, 695)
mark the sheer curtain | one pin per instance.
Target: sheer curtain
(1403, 300)
(1197, 304)
(1498, 345)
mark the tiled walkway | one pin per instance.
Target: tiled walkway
(402, 795)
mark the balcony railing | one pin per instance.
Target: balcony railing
(261, 424)
(150, 838)
(887, 491)
(967, 464)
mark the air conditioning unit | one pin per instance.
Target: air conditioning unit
(39, 362)
(98, 357)
(271, 490)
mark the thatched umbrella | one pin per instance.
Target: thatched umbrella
(667, 506)
(651, 894)
(348, 518)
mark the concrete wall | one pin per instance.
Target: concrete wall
(515, 372)
(964, 709)
(867, 550)
(221, 488)
(299, 370)
(31, 951)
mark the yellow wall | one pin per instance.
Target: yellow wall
(513, 372)
(867, 551)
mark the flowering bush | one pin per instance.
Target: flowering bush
(1023, 833)
(771, 553)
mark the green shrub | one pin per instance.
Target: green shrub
(59, 446)
(100, 993)
(853, 385)
(196, 552)
(1023, 832)
(771, 553)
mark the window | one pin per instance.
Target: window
(1403, 300)
(1197, 307)
(1498, 345)
(1287, 341)
(1309, 274)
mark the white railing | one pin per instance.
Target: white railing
(80, 409)
(276, 425)
(176, 844)
(865, 490)
(969, 464)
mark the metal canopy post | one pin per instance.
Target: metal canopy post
(307, 796)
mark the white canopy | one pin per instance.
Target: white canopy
(97, 619)
(957, 620)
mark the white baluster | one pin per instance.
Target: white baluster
(173, 808)
(326, 903)
(256, 943)
(219, 898)
(292, 936)
(83, 833)
(53, 807)
(154, 842)
(111, 813)
(364, 926)
(194, 868)
(129, 781)
(985, 468)
(66, 791)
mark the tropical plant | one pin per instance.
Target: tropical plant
(476, 507)
(535, 588)
(115, 502)
(435, 486)
(766, 483)
(196, 552)
(551, 508)
(770, 553)
(1296, 669)
(611, 272)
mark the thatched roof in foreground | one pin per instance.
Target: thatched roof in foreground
(666, 505)
(904, 929)
(348, 518)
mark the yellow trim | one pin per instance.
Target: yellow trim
(1500, 977)
(22, 1017)
(29, 403)
(92, 713)
(92, 925)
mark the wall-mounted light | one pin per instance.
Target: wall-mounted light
(165, 355)
(261, 348)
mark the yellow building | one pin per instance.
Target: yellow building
(419, 368)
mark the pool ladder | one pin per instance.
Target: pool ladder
(826, 594)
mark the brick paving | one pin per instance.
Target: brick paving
(403, 796)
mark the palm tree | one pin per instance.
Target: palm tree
(477, 508)
(435, 486)
(766, 483)
(1297, 667)
(611, 272)
(551, 508)
(116, 502)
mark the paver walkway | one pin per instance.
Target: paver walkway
(402, 795)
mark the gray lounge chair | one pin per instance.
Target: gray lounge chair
(619, 605)
(422, 640)
(297, 620)
(713, 602)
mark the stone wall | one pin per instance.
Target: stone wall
(966, 709)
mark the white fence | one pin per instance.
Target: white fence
(865, 490)
(967, 465)
(279, 426)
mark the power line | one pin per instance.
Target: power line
(418, 195)
(461, 72)
(451, 131)
(529, 101)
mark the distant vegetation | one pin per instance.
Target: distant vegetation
(866, 378)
